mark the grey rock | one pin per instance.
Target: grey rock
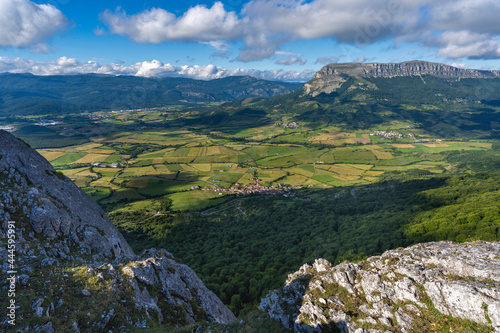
(37, 303)
(461, 280)
(47, 328)
(85, 292)
(61, 210)
(179, 285)
(49, 262)
(111, 314)
(75, 327)
(59, 303)
(23, 279)
(39, 311)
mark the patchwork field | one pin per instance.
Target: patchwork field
(131, 170)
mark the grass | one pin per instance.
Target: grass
(67, 158)
(156, 186)
(195, 200)
(98, 193)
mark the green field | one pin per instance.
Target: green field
(162, 162)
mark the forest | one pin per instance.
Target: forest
(248, 249)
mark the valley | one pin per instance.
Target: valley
(246, 192)
(127, 161)
(244, 209)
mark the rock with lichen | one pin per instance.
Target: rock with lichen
(427, 287)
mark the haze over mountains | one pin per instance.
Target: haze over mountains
(26, 94)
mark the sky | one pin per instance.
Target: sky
(287, 40)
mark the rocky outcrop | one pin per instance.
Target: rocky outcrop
(52, 207)
(332, 76)
(179, 284)
(73, 270)
(423, 288)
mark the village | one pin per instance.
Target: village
(392, 135)
(256, 188)
(293, 124)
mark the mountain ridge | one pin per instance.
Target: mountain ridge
(413, 67)
(331, 77)
(31, 94)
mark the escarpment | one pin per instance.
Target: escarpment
(331, 77)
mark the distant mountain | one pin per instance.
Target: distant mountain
(332, 76)
(437, 98)
(29, 94)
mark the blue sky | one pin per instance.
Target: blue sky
(272, 39)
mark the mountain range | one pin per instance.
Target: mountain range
(439, 99)
(27, 94)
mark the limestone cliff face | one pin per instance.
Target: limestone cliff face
(54, 207)
(330, 77)
(404, 290)
(74, 270)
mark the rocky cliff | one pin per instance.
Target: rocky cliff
(72, 269)
(431, 287)
(332, 76)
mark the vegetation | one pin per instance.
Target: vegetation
(353, 189)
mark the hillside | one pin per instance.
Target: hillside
(72, 270)
(441, 100)
(26, 94)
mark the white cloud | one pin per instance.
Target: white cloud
(98, 31)
(153, 68)
(265, 25)
(363, 59)
(460, 65)
(157, 25)
(24, 24)
(466, 44)
(289, 58)
(218, 45)
(291, 61)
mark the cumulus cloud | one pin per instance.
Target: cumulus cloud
(25, 24)
(157, 25)
(265, 25)
(289, 58)
(458, 44)
(153, 68)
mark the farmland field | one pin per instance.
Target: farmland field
(128, 169)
